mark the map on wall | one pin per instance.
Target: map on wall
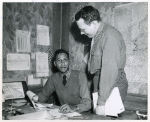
(132, 21)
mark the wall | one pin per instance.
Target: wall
(132, 21)
(76, 44)
(25, 16)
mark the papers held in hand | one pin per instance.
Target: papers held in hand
(30, 94)
(114, 104)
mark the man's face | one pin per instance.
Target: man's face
(62, 62)
(86, 29)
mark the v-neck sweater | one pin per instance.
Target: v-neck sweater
(75, 92)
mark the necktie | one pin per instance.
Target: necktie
(64, 80)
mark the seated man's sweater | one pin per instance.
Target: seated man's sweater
(75, 92)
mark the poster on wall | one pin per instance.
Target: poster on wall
(18, 61)
(22, 41)
(42, 67)
(43, 35)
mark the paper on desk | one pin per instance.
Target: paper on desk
(17, 104)
(73, 114)
(57, 114)
(114, 104)
(20, 101)
(46, 115)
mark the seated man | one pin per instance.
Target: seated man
(70, 86)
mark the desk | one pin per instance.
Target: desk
(127, 115)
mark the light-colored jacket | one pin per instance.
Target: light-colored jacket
(108, 55)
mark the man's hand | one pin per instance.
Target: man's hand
(35, 98)
(67, 108)
(100, 110)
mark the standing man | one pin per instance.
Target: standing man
(107, 55)
(70, 86)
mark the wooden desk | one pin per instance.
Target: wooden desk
(127, 115)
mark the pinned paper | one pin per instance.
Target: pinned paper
(18, 61)
(32, 81)
(43, 35)
(22, 41)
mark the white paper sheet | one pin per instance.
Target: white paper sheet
(18, 61)
(57, 114)
(95, 98)
(114, 104)
(17, 104)
(13, 90)
(22, 41)
(32, 81)
(43, 35)
(42, 62)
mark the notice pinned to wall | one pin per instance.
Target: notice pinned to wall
(43, 35)
(33, 81)
(42, 66)
(22, 41)
(18, 61)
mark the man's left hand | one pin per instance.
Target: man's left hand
(67, 108)
(100, 110)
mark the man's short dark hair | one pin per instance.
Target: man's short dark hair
(59, 51)
(89, 14)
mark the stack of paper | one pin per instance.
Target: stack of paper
(114, 105)
(95, 98)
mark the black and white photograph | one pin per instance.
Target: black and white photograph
(74, 60)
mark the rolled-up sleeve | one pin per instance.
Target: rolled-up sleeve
(85, 103)
(109, 69)
(47, 90)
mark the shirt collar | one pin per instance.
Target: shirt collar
(99, 29)
(67, 74)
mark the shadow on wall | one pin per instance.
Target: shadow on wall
(75, 32)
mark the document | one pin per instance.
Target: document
(114, 104)
(22, 41)
(13, 90)
(32, 81)
(18, 61)
(42, 66)
(56, 114)
(43, 35)
(95, 98)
